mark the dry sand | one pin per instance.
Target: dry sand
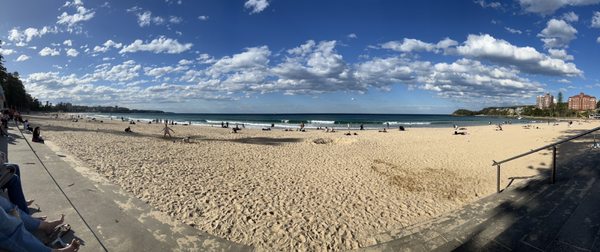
(281, 191)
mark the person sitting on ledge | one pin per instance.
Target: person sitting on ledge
(16, 229)
(13, 187)
(27, 126)
(37, 136)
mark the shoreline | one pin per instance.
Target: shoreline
(281, 190)
(312, 124)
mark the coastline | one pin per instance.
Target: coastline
(280, 190)
(338, 121)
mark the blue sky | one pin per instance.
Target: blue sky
(281, 56)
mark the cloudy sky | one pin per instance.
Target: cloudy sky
(284, 56)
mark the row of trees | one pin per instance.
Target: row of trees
(14, 91)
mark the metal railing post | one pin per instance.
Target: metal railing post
(553, 164)
(498, 180)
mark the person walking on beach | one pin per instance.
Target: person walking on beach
(167, 130)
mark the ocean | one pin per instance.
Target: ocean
(369, 121)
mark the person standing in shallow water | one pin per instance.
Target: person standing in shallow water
(167, 130)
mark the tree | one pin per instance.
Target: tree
(598, 105)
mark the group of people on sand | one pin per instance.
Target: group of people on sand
(9, 115)
(16, 223)
(35, 132)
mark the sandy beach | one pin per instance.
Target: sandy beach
(315, 191)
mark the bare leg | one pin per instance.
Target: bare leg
(48, 226)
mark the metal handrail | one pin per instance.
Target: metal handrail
(553, 146)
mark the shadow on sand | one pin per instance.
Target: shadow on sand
(270, 141)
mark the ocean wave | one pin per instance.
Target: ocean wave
(407, 123)
(320, 122)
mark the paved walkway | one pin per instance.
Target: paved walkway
(102, 216)
(533, 215)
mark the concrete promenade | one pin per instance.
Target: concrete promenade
(102, 216)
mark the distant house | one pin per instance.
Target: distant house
(582, 102)
(544, 101)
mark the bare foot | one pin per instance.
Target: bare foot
(48, 226)
(29, 202)
(74, 246)
(42, 218)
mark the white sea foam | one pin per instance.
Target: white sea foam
(407, 123)
(320, 122)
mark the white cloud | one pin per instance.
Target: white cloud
(68, 42)
(22, 57)
(47, 51)
(205, 59)
(384, 72)
(75, 3)
(160, 71)
(256, 6)
(184, 62)
(485, 4)
(352, 35)
(6, 52)
(560, 54)
(22, 37)
(175, 20)
(598, 40)
(252, 58)
(596, 19)
(472, 81)
(513, 31)
(54, 80)
(81, 15)
(408, 45)
(415, 45)
(446, 44)
(107, 45)
(174, 1)
(159, 45)
(570, 17)
(203, 18)
(557, 33)
(313, 68)
(127, 71)
(145, 18)
(527, 59)
(546, 7)
(72, 52)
